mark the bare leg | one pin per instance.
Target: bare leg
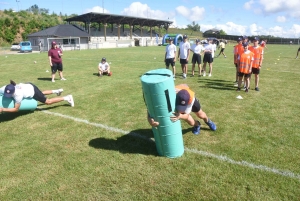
(199, 68)
(193, 69)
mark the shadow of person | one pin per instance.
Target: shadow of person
(45, 78)
(96, 74)
(136, 142)
(8, 116)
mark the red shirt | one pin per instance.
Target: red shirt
(54, 53)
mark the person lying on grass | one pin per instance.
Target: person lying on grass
(29, 90)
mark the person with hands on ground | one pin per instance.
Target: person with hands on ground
(186, 102)
(29, 90)
(104, 68)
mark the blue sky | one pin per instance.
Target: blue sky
(236, 17)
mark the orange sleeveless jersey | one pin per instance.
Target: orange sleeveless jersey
(245, 62)
(186, 87)
(238, 50)
(258, 54)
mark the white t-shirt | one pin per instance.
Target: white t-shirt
(197, 48)
(184, 48)
(103, 66)
(213, 50)
(171, 51)
(21, 91)
(208, 47)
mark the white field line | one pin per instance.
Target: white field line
(285, 173)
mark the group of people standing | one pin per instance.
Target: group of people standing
(248, 60)
(185, 49)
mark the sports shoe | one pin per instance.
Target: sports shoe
(204, 74)
(238, 89)
(63, 79)
(209, 75)
(196, 129)
(53, 81)
(211, 125)
(59, 92)
(71, 100)
(246, 90)
(256, 89)
(225, 57)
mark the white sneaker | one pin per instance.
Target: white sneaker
(59, 92)
(63, 78)
(71, 100)
(53, 80)
(209, 75)
(204, 74)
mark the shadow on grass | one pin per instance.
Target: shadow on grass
(11, 116)
(217, 84)
(136, 142)
(45, 79)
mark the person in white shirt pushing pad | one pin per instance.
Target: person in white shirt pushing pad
(29, 90)
(104, 68)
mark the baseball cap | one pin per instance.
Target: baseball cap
(239, 39)
(103, 59)
(182, 99)
(245, 44)
(184, 36)
(256, 38)
(197, 40)
(9, 91)
(170, 39)
(245, 37)
(53, 43)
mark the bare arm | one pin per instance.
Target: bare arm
(15, 109)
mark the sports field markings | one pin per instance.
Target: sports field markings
(202, 153)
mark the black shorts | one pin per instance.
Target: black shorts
(243, 74)
(222, 49)
(207, 58)
(170, 61)
(299, 49)
(196, 106)
(38, 95)
(184, 61)
(196, 59)
(56, 67)
(255, 71)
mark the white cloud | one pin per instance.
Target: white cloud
(248, 5)
(281, 19)
(194, 14)
(96, 9)
(230, 28)
(143, 10)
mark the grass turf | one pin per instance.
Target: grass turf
(81, 155)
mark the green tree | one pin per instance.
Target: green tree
(222, 32)
(194, 26)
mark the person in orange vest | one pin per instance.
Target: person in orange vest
(245, 61)
(186, 102)
(257, 62)
(238, 49)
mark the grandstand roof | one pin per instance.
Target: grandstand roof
(118, 19)
(62, 30)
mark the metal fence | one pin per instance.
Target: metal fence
(271, 40)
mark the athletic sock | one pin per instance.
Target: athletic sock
(55, 91)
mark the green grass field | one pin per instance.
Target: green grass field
(103, 148)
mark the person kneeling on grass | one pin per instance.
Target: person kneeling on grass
(104, 68)
(29, 90)
(186, 102)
